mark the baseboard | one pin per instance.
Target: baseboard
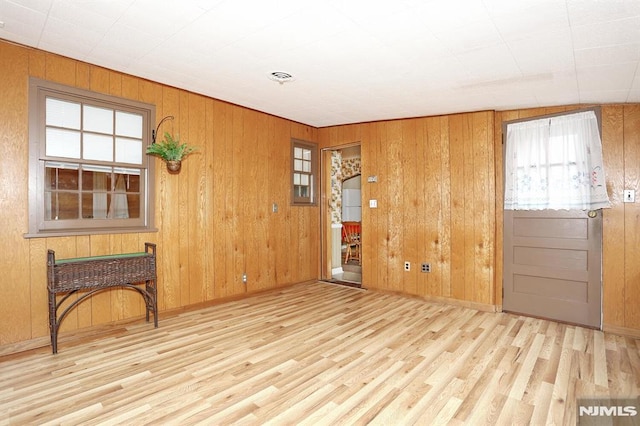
(44, 342)
(622, 331)
(25, 346)
(484, 307)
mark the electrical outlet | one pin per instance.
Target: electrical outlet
(244, 278)
(425, 267)
(407, 266)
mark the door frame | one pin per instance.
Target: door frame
(325, 197)
(500, 282)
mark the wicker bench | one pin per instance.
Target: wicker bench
(89, 275)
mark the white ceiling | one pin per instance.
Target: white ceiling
(353, 60)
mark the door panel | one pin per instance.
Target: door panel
(553, 265)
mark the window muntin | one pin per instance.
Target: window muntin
(303, 172)
(89, 171)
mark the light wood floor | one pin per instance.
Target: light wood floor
(321, 354)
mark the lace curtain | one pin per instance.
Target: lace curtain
(555, 163)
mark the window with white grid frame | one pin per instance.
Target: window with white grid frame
(303, 172)
(88, 167)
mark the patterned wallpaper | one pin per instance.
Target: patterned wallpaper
(341, 169)
(335, 204)
(351, 167)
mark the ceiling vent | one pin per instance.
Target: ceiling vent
(281, 77)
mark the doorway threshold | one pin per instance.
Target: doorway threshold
(345, 283)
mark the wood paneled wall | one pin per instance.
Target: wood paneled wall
(440, 194)
(215, 220)
(436, 204)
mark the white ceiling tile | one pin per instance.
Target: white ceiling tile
(67, 38)
(445, 16)
(531, 19)
(606, 78)
(618, 54)
(364, 12)
(498, 7)
(78, 14)
(42, 6)
(22, 24)
(299, 29)
(477, 34)
(610, 33)
(634, 96)
(546, 52)
(488, 65)
(603, 96)
(356, 60)
(165, 20)
(636, 80)
(584, 12)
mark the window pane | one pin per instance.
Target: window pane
(97, 147)
(306, 154)
(96, 179)
(128, 151)
(301, 191)
(128, 124)
(306, 166)
(119, 208)
(304, 180)
(297, 152)
(95, 205)
(296, 178)
(61, 176)
(62, 143)
(127, 180)
(62, 114)
(297, 165)
(97, 119)
(61, 205)
(134, 205)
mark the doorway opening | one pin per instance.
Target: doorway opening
(342, 215)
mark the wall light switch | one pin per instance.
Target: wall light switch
(372, 179)
(373, 204)
(629, 196)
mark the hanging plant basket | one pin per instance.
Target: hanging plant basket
(174, 166)
(171, 151)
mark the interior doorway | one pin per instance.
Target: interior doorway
(341, 212)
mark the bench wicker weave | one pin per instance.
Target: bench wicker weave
(89, 275)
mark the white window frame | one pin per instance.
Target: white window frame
(42, 226)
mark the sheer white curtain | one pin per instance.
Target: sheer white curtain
(119, 208)
(555, 163)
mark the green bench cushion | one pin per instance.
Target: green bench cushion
(105, 257)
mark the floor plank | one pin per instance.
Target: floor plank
(319, 354)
